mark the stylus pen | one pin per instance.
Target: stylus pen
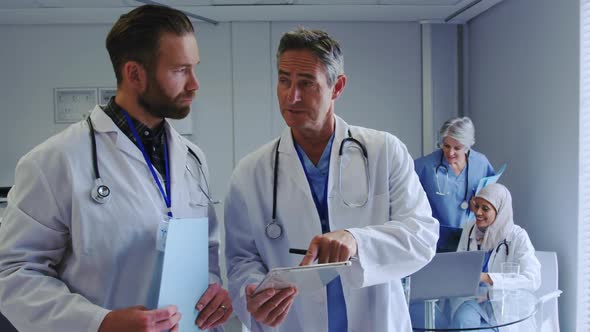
(297, 251)
(304, 251)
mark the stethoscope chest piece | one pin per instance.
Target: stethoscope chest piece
(100, 193)
(274, 230)
(464, 205)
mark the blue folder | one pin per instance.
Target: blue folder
(490, 179)
(484, 182)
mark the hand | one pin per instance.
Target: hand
(484, 277)
(139, 319)
(270, 306)
(214, 307)
(331, 247)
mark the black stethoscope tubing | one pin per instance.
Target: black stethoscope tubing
(274, 230)
(101, 192)
(464, 204)
(94, 157)
(503, 243)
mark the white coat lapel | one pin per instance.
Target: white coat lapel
(290, 165)
(177, 152)
(341, 132)
(295, 206)
(103, 124)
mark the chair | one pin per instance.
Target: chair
(547, 316)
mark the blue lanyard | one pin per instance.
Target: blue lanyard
(322, 206)
(166, 195)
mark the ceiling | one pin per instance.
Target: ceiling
(106, 11)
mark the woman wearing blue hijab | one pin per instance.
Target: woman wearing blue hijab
(449, 177)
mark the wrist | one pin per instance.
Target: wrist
(100, 320)
(353, 244)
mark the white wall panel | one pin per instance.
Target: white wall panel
(524, 99)
(33, 61)
(253, 92)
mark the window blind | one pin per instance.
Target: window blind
(583, 300)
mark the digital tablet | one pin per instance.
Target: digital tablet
(306, 279)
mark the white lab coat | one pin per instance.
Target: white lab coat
(65, 260)
(395, 231)
(521, 251)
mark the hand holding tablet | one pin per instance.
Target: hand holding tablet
(305, 279)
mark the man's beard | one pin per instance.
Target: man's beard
(160, 105)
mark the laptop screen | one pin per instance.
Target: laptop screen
(450, 274)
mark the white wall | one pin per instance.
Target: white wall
(382, 63)
(34, 60)
(37, 59)
(444, 73)
(236, 109)
(382, 92)
(523, 75)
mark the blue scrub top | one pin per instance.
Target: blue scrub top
(446, 209)
(317, 177)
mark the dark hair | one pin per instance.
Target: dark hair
(319, 43)
(136, 35)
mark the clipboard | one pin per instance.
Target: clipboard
(307, 279)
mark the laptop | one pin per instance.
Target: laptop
(449, 274)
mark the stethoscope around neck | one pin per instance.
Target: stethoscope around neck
(464, 205)
(503, 243)
(274, 230)
(101, 193)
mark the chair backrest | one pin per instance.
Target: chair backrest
(548, 315)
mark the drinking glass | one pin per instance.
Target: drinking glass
(510, 269)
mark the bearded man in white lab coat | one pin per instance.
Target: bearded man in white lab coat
(69, 263)
(375, 211)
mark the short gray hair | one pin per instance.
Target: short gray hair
(461, 129)
(319, 43)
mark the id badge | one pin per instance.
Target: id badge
(161, 235)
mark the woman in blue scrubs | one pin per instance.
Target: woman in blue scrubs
(450, 176)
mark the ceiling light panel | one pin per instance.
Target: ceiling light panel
(86, 3)
(422, 2)
(175, 3)
(18, 4)
(250, 2)
(336, 2)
